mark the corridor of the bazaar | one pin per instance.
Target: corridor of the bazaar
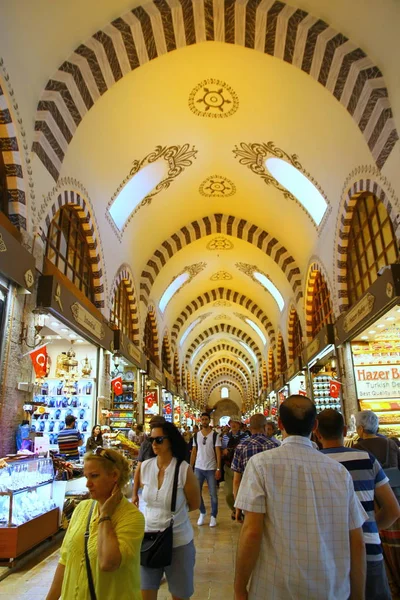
(199, 300)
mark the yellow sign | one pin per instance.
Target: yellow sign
(86, 319)
(57, 297)
(312, 348)
(359, 312)
(134, 352)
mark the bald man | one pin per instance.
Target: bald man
(302, 535)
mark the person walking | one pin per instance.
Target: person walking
(270, 430)
(371, 486)
(115, 530)
(206, 461)
(248, 447)
(69, 439)
(145, 453)
(229, 443)
(302, 536)
(157, 477)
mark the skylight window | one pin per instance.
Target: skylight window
(244, 364)
(197, 351)
(188, 330)
(224, 392)
(136, 190)
(257, 330)
(249, 350)
(273, 290)
(172, 289)
(298, 185)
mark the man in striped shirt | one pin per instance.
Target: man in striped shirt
(69, 439)
(370, 484)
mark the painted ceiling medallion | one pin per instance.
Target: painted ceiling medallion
(222, 317)
(221, 276)
(222, 303)
(213, 98)
(217, 186)
(220, 243)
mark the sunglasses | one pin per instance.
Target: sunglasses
(159, 439)
(204, 440)
(103, 453)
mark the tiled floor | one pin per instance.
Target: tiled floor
(216, 548)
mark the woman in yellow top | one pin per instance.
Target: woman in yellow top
(115, 537)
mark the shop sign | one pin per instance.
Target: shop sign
(134, 352)
(154, 373)
(86, 320)
(361, 310)
(313, 348)
(16, 263)
(377, 381)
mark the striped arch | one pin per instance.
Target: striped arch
(345, 215)
(13, 164)
(271, 27)
(223, 328)
(314, 269)
(279, 354)
(225, 361)
(151, 313)
(291, 322)
(264, 378)
(167, 345)
(84, 210)
(176, 369)
(271, 366)
(222, 294)
(228, 225)
(124, 275)
(224, 371)
(223, 348)
(226, 382)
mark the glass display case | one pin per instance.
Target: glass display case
(28, 513)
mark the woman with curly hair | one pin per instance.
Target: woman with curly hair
(157, 477)
(115, 528)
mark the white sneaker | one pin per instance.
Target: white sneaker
(213, 522)
(200, 520)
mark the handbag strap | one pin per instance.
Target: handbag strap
(175, 486)
(387, 453)
(88, 567)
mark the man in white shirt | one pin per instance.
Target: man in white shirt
(206, 458)
(302, 537)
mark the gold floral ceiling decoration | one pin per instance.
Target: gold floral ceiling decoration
(221, 276)
(217, 186)
(220, 243)
(213, 98)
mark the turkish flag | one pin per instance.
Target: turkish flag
(187, 415)
(266, 412)
(39, 361)
(334, 388)
(168, 409)
(273, 410)
(116, 385)
(178, 410)
(151, 398)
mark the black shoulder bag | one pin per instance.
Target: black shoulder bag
(156, 548)
(88, 567)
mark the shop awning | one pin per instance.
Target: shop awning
(128, 349)
(16, 263)
(324, 338)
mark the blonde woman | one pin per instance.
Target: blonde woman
(115, 536)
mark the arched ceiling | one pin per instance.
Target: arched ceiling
(210, 90)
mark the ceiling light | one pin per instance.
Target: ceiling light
(136, 190)
(79, 341)
(380, 325)
(364, 337)
(390, 318)
(55, 324)
(58, 337)
(72, 335)
(172, 289)
(298, 185)
(273, 290)
(371, 332)
(188, 330)
(64, 330)
(48, 337)
(257, 330)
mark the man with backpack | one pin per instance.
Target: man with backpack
(206, 461)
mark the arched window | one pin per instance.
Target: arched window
(322, 311)
(297, 337)
(3, 187)
(68, 250)
(121, 310)
(224, 392)
(372, 245)
(148, 341)
(165, 356)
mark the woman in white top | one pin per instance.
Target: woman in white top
(157, 475)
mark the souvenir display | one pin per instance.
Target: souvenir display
(123, 414)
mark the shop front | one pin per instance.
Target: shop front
(153, 384)
(370, 333)
(281, 389)
(168, 392)
(69, 364)
(296, 378)
(271, 403)
(126, 392)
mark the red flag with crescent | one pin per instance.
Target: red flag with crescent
(334, 388)
(116, 385)
(39, 361)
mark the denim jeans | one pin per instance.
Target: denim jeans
(208, 476)
(377, 585)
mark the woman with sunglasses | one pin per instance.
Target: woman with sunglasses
(157, 476)
(115, 537)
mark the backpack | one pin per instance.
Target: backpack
(215, 435)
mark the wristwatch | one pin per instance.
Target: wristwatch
(104, 519)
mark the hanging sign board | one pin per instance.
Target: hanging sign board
(324, 338)
(16, 263)
(154, 373)
(127, 348)
(377, 381)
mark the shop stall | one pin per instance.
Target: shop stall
(281, 389)
(321, 359)
(271, 403)
(370, 332)
(68, 364)
(153, 384)
(296, 377)
(167, 396)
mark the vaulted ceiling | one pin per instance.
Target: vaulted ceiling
(209, 90)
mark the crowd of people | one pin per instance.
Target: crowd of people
(319, 520)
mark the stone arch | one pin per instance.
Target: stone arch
(224, 361)
(222, 294)
(273, 28)
(291, 326)
(280, 353)
(223, 347)
(315, 269)
(223, 328)
(228, 225)
(84, 210)
(228, 383)
(225, 408)
(151, 315)
(166, 346)
(271, 366)
(176, 369)
(9, 148)
(264, 375)
(345, 214)
(124, 275)
(223, 371)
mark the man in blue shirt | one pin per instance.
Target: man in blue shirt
(370, 484)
